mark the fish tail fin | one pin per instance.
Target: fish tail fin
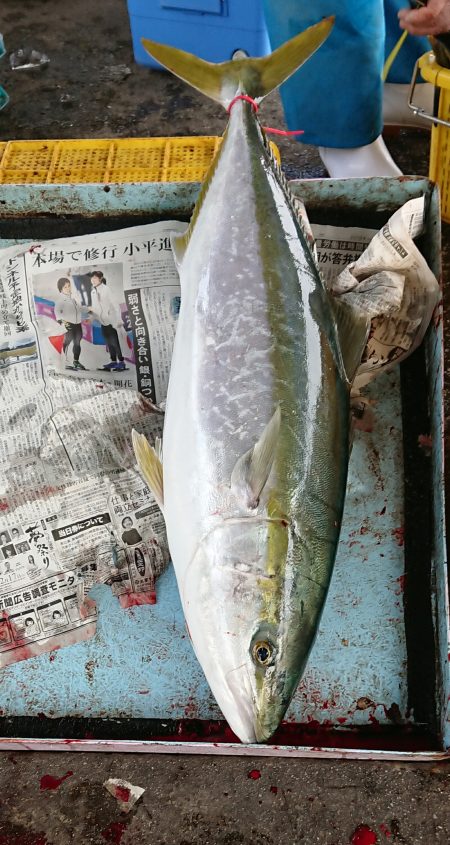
(254, 77)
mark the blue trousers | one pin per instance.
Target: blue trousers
(336, 97)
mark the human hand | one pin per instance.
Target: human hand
(432, 19)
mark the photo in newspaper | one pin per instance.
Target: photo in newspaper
(83, 316)
(106, 306)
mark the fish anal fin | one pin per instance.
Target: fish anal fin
(353, 328)
(252, 469)
(150, 464)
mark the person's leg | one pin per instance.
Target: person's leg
(77, 334)
(109, 340)
(336, 97)
(114, 338)
(68, 337)
(113, 344)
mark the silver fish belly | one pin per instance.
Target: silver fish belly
(255, 333)
(256, 434)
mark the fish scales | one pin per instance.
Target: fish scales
(246, 340)
(256, 434)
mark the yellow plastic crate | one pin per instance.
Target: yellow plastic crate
(89, 156)
(14, 177)
(24, 156)
(196, 159)
(133, 156)
(182, 159)
(439, 170)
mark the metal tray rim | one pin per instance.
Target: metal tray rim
(220, 749)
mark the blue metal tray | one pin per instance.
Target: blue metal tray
(378, 683)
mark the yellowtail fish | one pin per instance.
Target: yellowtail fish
(256, 433)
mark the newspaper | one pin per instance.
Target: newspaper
(383, 274)
(86, 334)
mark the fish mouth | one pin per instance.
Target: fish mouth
(240, 712)
(265, 730)
(253, 717)
(252, 734)
(263, 735)
(250, 728)
(245, 730)
(272, 706)
(247, 737)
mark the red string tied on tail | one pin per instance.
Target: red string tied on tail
(255, 107)
(247, 99)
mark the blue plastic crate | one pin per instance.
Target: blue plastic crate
(212, 29)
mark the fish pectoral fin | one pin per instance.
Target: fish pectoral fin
(150, 464)
(353, 331)
(178, 244)
(252, 469)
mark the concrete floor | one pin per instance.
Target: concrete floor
(87, 92)
(205, 801)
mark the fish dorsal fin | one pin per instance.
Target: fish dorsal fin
(353, 328)
(252, 469)
(150, 464)
(255, 77)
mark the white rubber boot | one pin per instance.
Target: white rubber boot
(371, 160)
(396, 111)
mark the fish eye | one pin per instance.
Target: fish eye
(262, 652)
